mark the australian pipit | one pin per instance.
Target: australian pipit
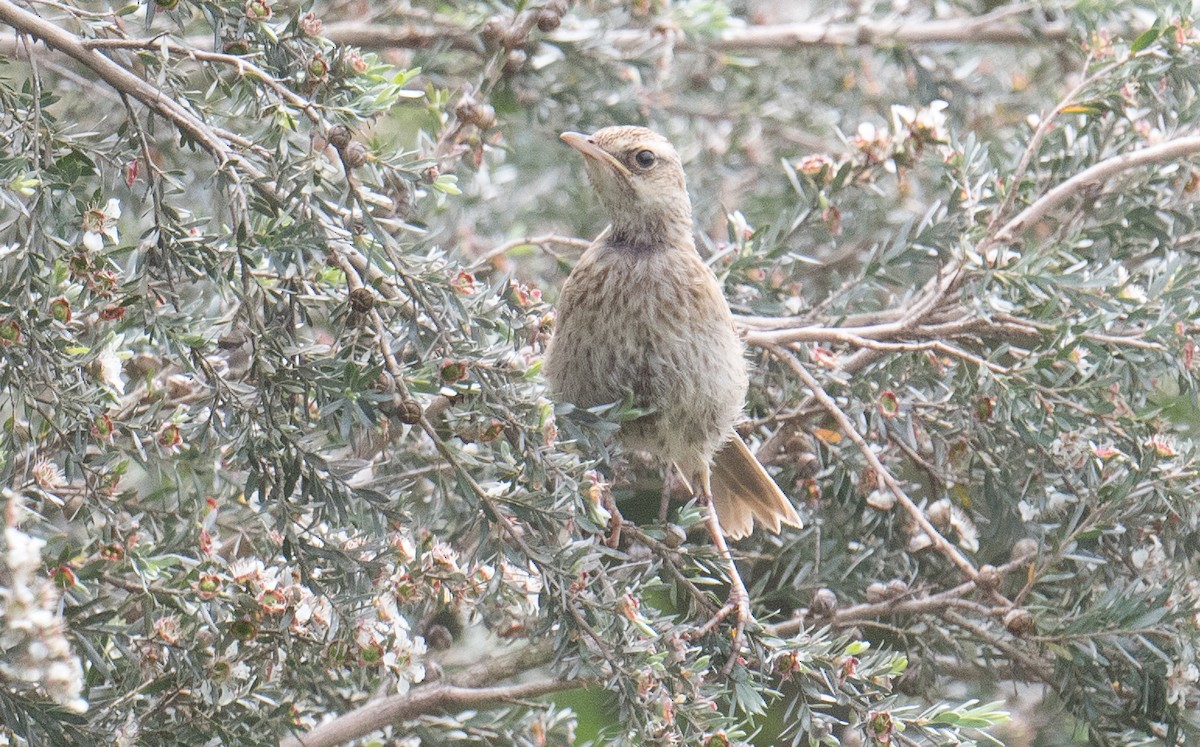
(642, 317)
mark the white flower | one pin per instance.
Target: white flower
(92, 241)
(869, 139)
(902, 117)
(24, 555)
(247, 569)
(101, 223)
(927, 125)
(48, 475)
(1135, 293)
(110, 370)
(932, 120)
(34, 653)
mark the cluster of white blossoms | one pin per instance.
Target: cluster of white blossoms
(387, 640)
(35, 655)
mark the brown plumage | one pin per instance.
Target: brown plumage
(643, 317)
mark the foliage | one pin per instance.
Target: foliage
(275, 441)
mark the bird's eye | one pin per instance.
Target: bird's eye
(645, 158)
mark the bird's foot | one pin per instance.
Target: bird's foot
(615, 523)
(737, 606)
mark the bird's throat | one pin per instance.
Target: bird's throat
(646, 233)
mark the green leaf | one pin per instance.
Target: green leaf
(1144, 39)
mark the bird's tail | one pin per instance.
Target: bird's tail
(742, 491)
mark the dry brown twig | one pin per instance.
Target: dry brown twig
(992, 28)
(471, 689)
(886, 480)
(538, 241)
(910, 605)
(998, 27)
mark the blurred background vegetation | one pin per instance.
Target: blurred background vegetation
(278, 465)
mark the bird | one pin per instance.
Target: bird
(643, 319)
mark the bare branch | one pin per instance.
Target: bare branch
(933, 603)
(993, 28)
(434, 698)
(1170, 150)
(538, 241)
(407, 36)
(999, 27)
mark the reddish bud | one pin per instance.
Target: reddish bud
(463, 283)
(492, 432)
(889, 404)
(112, 313)
(102, 427)
(984, 407)
(310, 24)
(10, 332)
(64, 577)
(170, 436)
(208, 586)
(272, 601)
(60, 310)
(453, 371)
(881, 726)
(258, 10)
(318, 67)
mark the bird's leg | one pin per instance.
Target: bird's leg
(738, 602)
(616, 522)
(664, 507)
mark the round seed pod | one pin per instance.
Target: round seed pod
(354, 154)
(338, 136)
(1024, 548)
(362, 300)
(988, 578)
(824, 603)
(548, 20)
(408, 411)
(1020, 622)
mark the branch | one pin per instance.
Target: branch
(993, 28)
(1170, 150)
(539, 241)
(122, 80)
(943, 545)
(1032, 665)
(434, 698)
(408, 36)
(933, 603)
(499, 668)
(998, 27)
(244, 66)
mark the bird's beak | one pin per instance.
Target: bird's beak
(583, 144)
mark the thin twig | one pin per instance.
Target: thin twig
(538, 241)
(944, 546)
(1176, 148)
(930, 604)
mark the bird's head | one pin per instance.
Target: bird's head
(639, 178)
